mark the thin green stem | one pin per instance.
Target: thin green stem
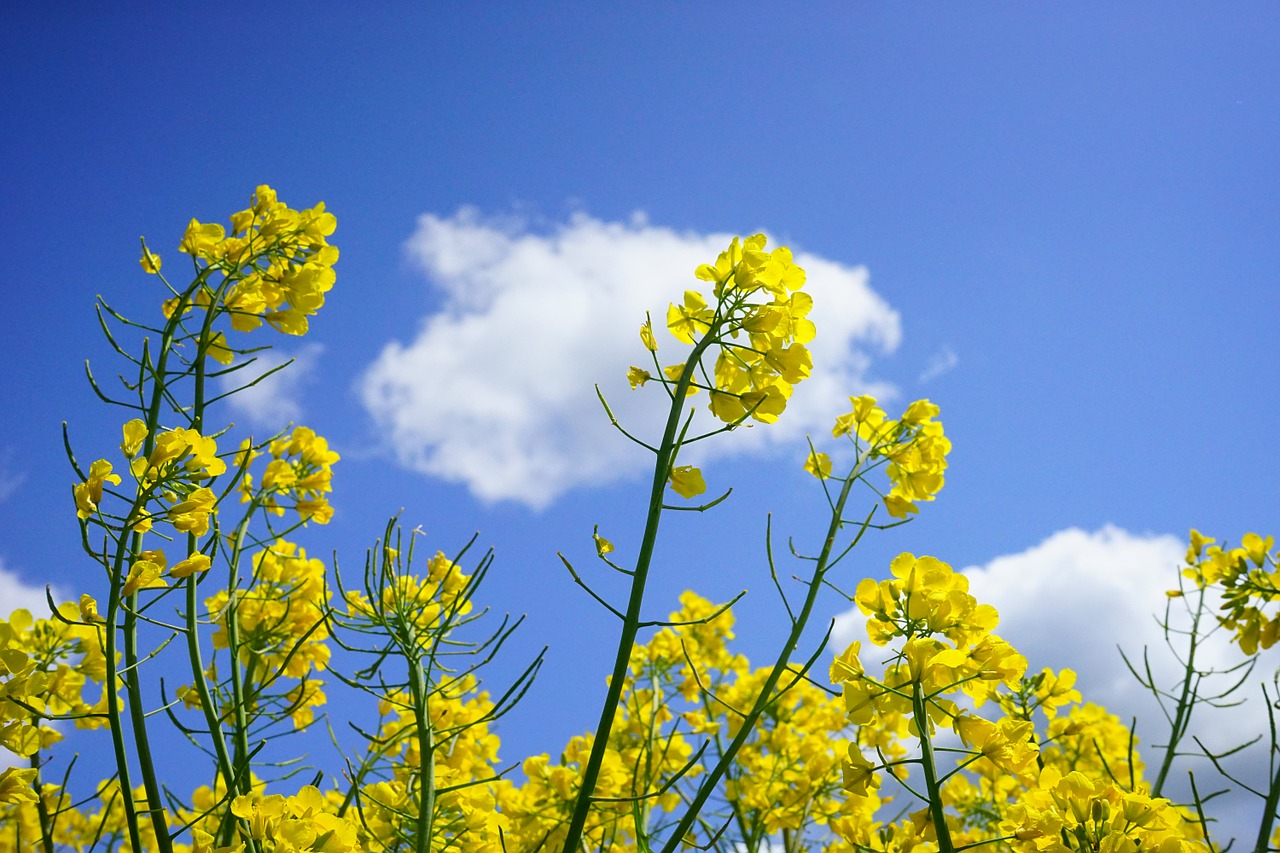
(929, 765)
(631, 621)
(781, 665)
(138, 719)
(1263, 842)
(426, 757)
(111, 680)
(1186, 701)
(46, 821)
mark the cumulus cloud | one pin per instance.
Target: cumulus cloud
(943, 361)
(15, 593)
(1071, 600)
(496, 391)
(277, 399)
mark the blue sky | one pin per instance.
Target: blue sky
(1059, 223)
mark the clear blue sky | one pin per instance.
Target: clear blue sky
(1071, 211)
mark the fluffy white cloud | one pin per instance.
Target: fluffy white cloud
(276, 400)
(16, 593)
(1074, 598)
(496, 391)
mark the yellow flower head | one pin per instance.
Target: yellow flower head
(149, 261)
(687, 481)
(603, 546)
(135, 432)
(195, 563)
(818, 464)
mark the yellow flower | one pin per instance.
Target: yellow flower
(689, 320)
(201, 239)
(89, 609)
(603, 546)
(687, 481)
(144, 574)
(195, 563)
(1257, 548)
(818, 464)
(135, 432)
(646, 336)
(218, 349)
(638, 376)
(149, 261)
(16, 785)
(192, 515)
(899, 507)
(316, 509)
(1198, 541)
(89, 493)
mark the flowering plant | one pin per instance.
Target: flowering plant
(934, 737)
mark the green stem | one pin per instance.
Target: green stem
(780, 666)
(631, 621)
(46, 822)
(240, 780)
(928, 763)
(202, 686)
(112, 687)
(138, 719)
(133, 685)
(194, 654)
(1263, 842)
(1182, 717)
(426, 757)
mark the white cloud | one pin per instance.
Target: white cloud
(276, 400)
(496, 391)
(1072, 599)
(943, 361)
(15, 594)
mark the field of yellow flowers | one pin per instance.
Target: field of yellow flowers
(934, 737)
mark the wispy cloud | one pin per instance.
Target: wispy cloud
(943, 361)
(276, 400)
(497, 390)
(10, 481)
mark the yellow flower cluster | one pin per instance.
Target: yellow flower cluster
(946, 645)
(759, 323)
(420, 602)
(913, 448)
(1065, 811)
(280, 617)
(468, 756)
(179, 461)
(44, 665)
(300, 470)
(303, 823)
(1037, 792)
(275, 262)
(1249, 578)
